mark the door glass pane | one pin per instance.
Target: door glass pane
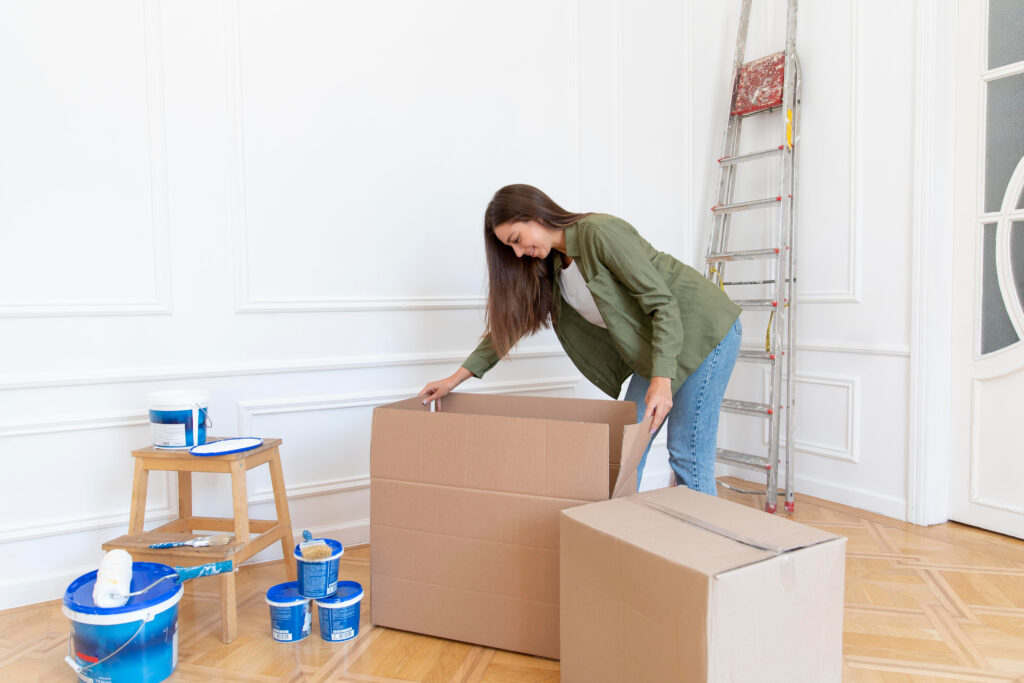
(1017, 258)
(996, 329)
(1005, 28)
(1004, 136)
(1020, 199)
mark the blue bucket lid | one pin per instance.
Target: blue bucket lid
(78, 596)
(337, 550)
(349, 592)
(285, 594)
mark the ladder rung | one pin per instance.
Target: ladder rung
(750, 282)
(757, 462)
(746, 407)
(740, 158)
(746, 206)
(746, 255)
(757, 304)
(755, 356)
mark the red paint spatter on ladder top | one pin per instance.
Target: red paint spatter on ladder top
(759, 85)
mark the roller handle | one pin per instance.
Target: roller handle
(186, 573)
(170, 544)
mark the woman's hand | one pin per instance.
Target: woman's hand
(658, 400)
(442, 387)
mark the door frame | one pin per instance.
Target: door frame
(933, 230)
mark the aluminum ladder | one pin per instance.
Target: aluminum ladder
(769, 84)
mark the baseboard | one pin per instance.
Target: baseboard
(871, 501)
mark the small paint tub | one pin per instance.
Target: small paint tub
(178, 419)
(319, 578)
(339, 613)
(291, 615)
(136, 642)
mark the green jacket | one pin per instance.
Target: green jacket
(663, 317)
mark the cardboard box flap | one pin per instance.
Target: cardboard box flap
(743, 524)
(635, 438)
(687, 545)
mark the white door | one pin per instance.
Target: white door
(987, 323)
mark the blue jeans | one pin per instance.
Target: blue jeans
(693, 420)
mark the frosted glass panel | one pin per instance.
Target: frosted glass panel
(996, 329)
(1005, 28)
(1020, 199)
(1017, 258)
(1004, 136)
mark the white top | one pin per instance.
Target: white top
(576, 294)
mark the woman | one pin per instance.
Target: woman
(620, 308)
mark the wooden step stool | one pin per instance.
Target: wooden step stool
(250, 535)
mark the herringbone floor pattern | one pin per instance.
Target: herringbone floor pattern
(938, 604)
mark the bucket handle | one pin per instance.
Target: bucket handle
(79, 668)
(205, 412)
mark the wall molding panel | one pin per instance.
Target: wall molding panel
(161, 302)
(852, 292)
(846, 451)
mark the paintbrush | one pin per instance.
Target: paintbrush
(199, 542)
(314, 550)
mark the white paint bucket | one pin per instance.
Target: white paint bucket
(178, 418)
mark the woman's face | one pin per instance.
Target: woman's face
(527, 238)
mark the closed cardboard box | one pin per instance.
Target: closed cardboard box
(674, 585)
(465, 503)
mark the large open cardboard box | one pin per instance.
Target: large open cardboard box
(464, 509)
(674, 585)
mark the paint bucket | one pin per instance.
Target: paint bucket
(137, 642)
(319, 578)
(339, 613)
(178, 418)
(291, 615)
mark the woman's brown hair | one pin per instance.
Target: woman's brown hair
(519, 296)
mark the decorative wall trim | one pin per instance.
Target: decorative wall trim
(423, 303)
(132, 418)
(244, 302)
(160, 304)
(848, 452)
(171, 374)
(77, 523)
(310, 490)
(852, 293)
(822, 346)
(247, 410)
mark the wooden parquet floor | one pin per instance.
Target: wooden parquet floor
(923, 605)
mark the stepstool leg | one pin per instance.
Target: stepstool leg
(228, 608)
(185, 499)
(240, 501)
(283, 517)
(140, 483)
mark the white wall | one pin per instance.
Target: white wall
(281, 203)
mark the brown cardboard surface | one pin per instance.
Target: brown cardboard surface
(465, 506)
(673, 585)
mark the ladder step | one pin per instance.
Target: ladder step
(746, 206)
(746, 255)
(752, 282)
(756, 462)
(740, 158)
(757, 304)
(746, 407)
(749, 356)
